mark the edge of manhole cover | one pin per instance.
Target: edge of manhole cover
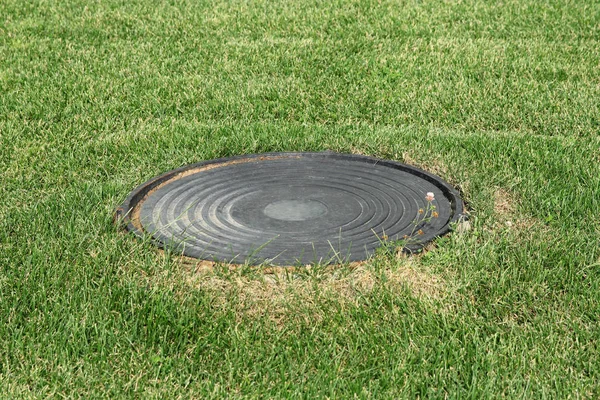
(290, 193)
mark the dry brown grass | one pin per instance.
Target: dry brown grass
(505, 203)
(433, 165)
(280, 294)
(509, 218)
(507, 214)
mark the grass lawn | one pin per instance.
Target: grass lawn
(501, 99)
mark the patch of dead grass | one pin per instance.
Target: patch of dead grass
(510, 218)
(433, 165)
(507, 214)
(423, 283)
(281, 294)
(505, 203)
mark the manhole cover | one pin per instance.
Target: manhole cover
(288, 208)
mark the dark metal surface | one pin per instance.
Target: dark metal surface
(288, 208)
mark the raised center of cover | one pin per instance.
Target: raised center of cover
(295, 210)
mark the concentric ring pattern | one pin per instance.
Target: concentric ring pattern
(288, 208)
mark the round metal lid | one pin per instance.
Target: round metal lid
(289, 208)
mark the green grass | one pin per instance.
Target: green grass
(502, 99)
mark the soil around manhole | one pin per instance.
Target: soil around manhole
(288, 209)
